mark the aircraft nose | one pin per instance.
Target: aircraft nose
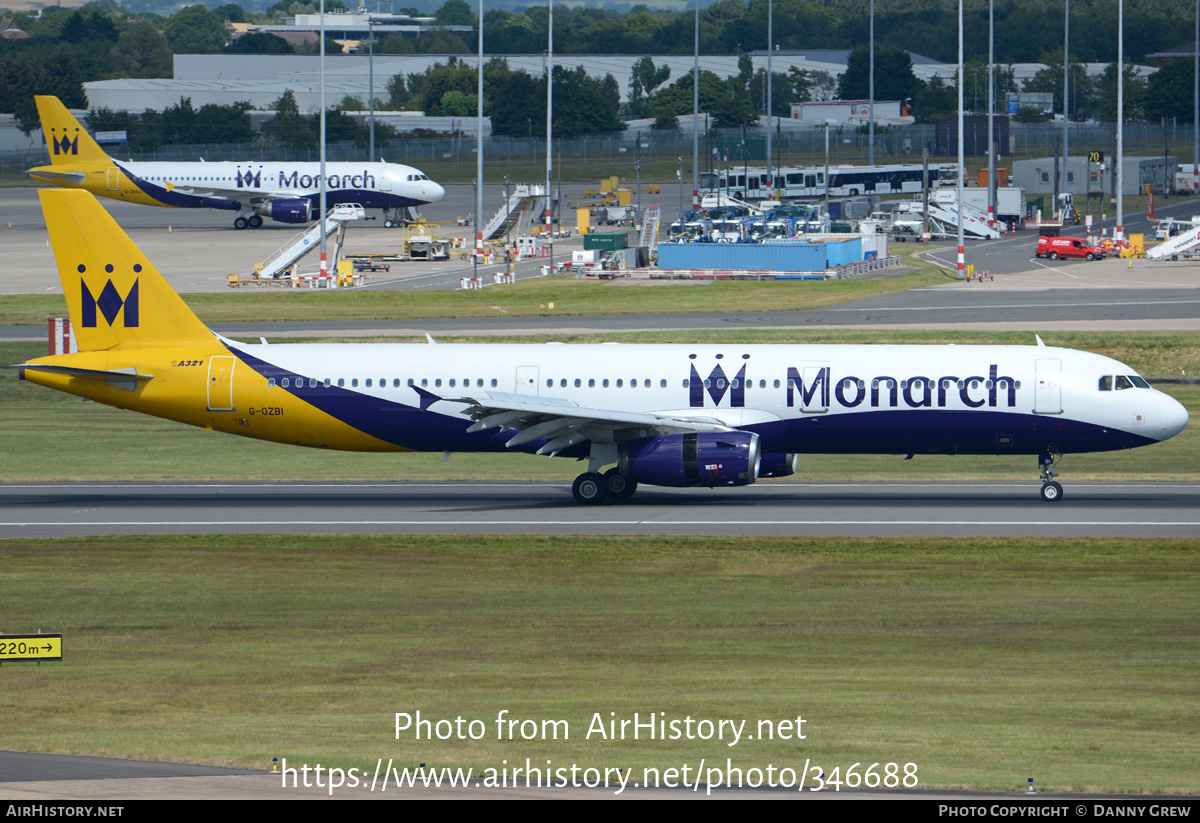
(436, 192)
(1173, 417)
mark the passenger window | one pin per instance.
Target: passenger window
(271, 383)
(591, 382)
(605, 383)
(662, 384)
(762, 384)
(550, 383)
(396, 383)
(562, 383)
(286, 383)
(620, 383)
(437, 383)
(424, 381)
(647, 384)
(494, 383)
(776, 384)
(578, 382)
(368, 383)
(479, 383)
(341, 382)
(410, 381)
(1123, 382)
(354, 382)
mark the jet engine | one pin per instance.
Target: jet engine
(778, 465)
(296, 210)
(703, 459)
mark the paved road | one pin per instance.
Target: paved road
(779, 508)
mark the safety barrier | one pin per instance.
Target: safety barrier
(471, 283)
(862, 267)
(504, 277)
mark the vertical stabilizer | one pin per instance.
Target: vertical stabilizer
(67, 141)
(115, 296)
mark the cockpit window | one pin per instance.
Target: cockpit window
(1106, 383)
(1123, 382)
(1139, 382)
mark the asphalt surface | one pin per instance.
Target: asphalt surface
(775, 508)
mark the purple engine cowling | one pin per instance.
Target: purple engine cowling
(703, 459)
(778, 465)
(296, 210)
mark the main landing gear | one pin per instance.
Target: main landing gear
(254, 221)
(592, 488)
(1052, 492)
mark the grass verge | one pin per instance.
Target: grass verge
(524, 298)
(982, 661)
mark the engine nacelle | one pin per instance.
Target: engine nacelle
(296, 210)
(704, 459)
(778, 465)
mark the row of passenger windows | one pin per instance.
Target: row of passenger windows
(287, 382)
(1120, 381)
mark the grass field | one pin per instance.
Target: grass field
(523, 298)
(984, 662)
(46, 435)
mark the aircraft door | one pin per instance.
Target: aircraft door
(527, 380)
(1047, 397)
(114, 178)
(220, 383)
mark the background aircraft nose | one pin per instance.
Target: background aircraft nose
(1173, 417)
(436, 192)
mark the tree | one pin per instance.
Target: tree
(195, 30)
(288, 126)
(142, 51)
(644, 79)
(260, 42)
(1169, 91)
(894, 78)
(734, 107)
(1135, 94)
(455, 13)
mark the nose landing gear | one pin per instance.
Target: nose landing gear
(1051, 491)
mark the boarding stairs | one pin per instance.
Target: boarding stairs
(335, 230)
(1172, 247)
(943, 220)
(650, 224)
(515, 216)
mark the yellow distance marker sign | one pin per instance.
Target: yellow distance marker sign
(15, 648)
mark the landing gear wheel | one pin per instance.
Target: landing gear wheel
(387, 224)
(1052, 492)
(619, 486)
(589, 489)
(255, 221)
(240, 222)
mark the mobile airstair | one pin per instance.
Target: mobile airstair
(278, 266)
(1174, 247)
(517, 214)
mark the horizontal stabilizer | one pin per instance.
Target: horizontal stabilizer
(121, 378)
(73, 178)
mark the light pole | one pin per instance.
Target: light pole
(870, 96)
(1066, 90)
(991, 96)
(696, 113)
(479, 155)
(549, 114)
(770, 113)
(324, 261)
(1119, 233)
(371, 87)
(962, 263)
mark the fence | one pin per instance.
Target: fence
(455, 154)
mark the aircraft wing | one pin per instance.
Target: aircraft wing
(563, 423)
(244, 196)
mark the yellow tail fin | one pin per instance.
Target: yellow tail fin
(67, 141)
(115, 297)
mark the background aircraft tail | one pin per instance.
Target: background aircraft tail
(115, 296)
(67, 140)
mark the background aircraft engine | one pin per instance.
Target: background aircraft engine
(296, 210)
(778, 465)
(705, 459)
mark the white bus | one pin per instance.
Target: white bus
(792, 182)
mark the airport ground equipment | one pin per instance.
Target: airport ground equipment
(291, 252)
(1182, 244)
(516, 216)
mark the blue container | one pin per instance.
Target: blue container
(773, 256)
(843, 252)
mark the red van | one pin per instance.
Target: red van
(1066, 247)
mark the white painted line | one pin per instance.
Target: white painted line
(672, 523)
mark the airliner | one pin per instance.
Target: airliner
(285, 192)
(704, 415)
